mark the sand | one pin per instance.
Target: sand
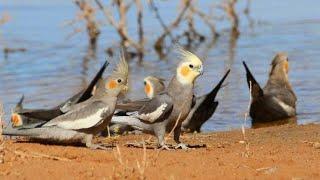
(286, 152)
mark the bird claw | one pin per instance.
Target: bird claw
(182, 146)
(164, 147)
(99, 146)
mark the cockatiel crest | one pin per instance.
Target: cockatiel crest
(153, 85)
(118, 80)
(189, 68)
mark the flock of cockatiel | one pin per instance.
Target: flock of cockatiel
(174, 108)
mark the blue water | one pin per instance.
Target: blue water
(53, 67)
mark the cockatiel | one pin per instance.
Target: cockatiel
(203, 108)
(85, 119)
(166, 110)
(276, 100)
(153, 86)
(22, 117)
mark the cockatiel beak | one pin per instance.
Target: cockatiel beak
(125, 88)
(200, 70)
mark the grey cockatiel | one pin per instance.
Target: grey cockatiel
(22, 117)
(152, 86)
(168, 109)
(83, 120)
(203, 106)
(276, 100)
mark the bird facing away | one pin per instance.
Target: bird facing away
(85, 119)
(25, 117)
(276, 100)
(166, 110)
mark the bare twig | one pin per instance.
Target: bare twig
(206, 19)
(2, 152)
(229, 8)
(4, 19)
(140, 26)
(245, 140)
(39, 155)
(175, 23)
(121, 25)
(156, 11)
(92, 26)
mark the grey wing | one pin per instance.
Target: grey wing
(132, 105)
(84, 117)
(157, 109)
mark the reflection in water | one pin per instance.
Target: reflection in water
(292, 120)
(53, 69)
(90, 55)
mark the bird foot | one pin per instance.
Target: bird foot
(99, 146)
(182, 146)
(164, 147)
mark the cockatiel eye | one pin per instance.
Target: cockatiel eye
(191, 66)
(144, 82)
(119, 80)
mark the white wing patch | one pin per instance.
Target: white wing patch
(153, 116)
(82, 123)
(289, 109)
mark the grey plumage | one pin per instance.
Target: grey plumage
(85, 119)
(178, 100)
(276, 100)
(22, 116)
(203, 108)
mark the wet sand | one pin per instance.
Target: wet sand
(286, 152)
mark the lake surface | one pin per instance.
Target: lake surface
(54, 67)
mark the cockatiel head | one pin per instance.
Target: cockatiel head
(118, 81)
(280, 67)
(153, 86)
(189, 68)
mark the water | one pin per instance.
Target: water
(55, 67)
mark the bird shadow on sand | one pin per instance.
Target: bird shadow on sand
(54, 143)
(149, 145)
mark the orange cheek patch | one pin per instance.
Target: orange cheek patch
(112, 84)
(184, 71)
(16, 120)
(286, 67)
(147, 88)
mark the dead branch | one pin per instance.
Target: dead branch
(156, 11)
(120, 26)
(175, 23)
(229, 8)
(92, 26)
(206, 19)
(4, 19)
(140, 26)
(2, 152)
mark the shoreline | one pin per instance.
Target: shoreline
(286, 151)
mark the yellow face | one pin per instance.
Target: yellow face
(115, 84)
(187, 72)
(286, 67)
(16, 120)
(148, 88)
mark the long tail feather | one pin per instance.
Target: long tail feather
(256, 90)
(19, 105)
(213, 93)
(87, 93)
